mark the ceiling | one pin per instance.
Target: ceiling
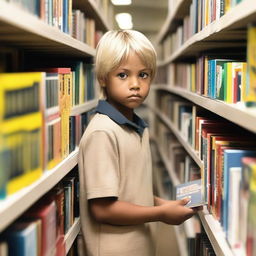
(148, 16)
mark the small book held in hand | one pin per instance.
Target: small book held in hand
(193, 190)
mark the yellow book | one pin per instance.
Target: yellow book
(250, 91)
(206, 12)
(229, 86)
(243, 81)
(193, 77)
(21, 129)
(227, 5)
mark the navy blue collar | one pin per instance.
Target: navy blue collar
(107, 109)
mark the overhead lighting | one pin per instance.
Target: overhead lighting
(124, 20)
(121, 2)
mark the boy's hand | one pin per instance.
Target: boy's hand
(175, 212)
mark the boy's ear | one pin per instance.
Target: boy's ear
(102, 83)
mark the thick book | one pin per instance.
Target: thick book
(22, 238)
(45, 210)
(193, 190)
(232, 158)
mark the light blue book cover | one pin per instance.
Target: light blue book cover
(193, 190)
(232, 158)
(22, 239)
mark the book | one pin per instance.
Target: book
(232, 158)
(233, 207)
(20, 130)
(22, 238)
(244, 196)
(250, 92)
(193, 190)
(45, 210)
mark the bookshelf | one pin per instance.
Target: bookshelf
(227, 33)
(14, 205)
(94, 11)
(25, 31)
(212, 227)
(72, 234)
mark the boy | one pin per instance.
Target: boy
(116, 197)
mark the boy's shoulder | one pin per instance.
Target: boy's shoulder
(101, 122)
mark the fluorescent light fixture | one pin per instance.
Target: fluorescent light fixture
(121, 2)
(124, 20)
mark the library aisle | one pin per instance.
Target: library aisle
(201, 113)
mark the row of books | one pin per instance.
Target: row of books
(224, 150)
(204, 12)
(60, 14)
(228, 78)
(36, 129)
(198, 244)
(42, 228)
(201, 13)
(227, 176)
(84, 29)
(181, 163)
(107, 9)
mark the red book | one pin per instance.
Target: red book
(45, 210)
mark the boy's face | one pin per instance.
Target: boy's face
(128, 85)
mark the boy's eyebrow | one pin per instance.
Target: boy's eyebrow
(125, 69)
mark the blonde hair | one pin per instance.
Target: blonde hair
(115, 46)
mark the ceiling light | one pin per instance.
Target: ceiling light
(121, 2)
(124, 20)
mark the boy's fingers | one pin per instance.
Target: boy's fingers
(198, 208)
(185, 200)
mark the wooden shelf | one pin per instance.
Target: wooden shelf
(72, 234)
(90, 8)
(21, 29)
(14, 205)
(179, 12)
(211, 226)
(76, 110)
(229, 31)
(215, 234)
(236, 113)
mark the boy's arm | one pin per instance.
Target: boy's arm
(115, 212)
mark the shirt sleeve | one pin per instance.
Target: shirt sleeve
(100, 165)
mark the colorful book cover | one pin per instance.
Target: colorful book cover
(22, 239)
(193, 190)
(250, 94)
(247, 163)
(45, 210)
(233, 207)
(232, 158)
(20, 127)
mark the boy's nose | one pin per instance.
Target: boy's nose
(134, 84)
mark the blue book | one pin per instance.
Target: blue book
(232, 158)
(65, 16)
(213, 79)
(22, 239)
(193, 190)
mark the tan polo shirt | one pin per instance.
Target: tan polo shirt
(115, 161)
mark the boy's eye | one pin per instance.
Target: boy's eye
(122, 75)
(144, 75)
